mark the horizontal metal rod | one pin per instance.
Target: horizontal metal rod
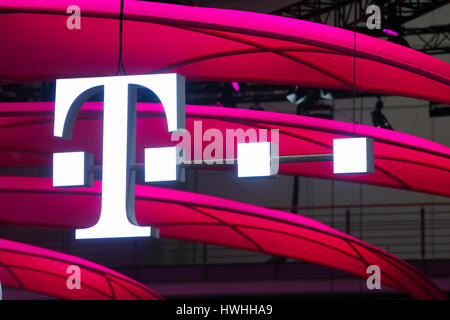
(233, 161)
(306, 158)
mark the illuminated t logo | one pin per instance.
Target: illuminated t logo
(119, 142)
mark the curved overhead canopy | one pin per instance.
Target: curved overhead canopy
(45, 271)
(208, 44)
(217, 45)
(401, 160)
(194, 217)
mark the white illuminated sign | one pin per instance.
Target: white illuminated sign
(117, 217)
(119, 142)
(353, 155)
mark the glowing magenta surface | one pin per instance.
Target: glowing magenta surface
(45, 271)
(401, 161)
(194, 217)
(208, 44)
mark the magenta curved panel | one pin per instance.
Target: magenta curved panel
(401, 160)
(194, 217)
(208, 44)
(45, 271)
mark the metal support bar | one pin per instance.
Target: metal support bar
(233, 161)
(306, 158)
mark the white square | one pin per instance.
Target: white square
(69, 169)
(160, 164)
(255, 159)
(352, 155)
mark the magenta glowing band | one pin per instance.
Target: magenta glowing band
(45, 271)
(217, 45)
(401, 161)
(209, 44)
(194, 217)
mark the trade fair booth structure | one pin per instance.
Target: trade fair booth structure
(213, 45)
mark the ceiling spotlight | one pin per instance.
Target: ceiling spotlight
(378, 118)
(296, 97)
(325, 94)
(312, 102)
(292, 97)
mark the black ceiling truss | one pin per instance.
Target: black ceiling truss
(432, 40)
(435, 39)
(349, 14)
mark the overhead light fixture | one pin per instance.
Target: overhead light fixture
(379, 120)
(326, 95)
(312, 102)
(353, 155)
(296, 97)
